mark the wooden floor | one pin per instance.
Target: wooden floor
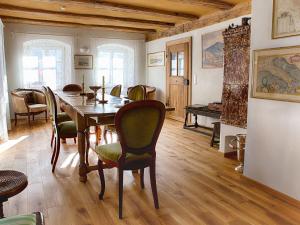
(196, 185)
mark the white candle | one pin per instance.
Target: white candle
(103, 82)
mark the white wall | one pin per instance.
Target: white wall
(77, 38)
(273, 140)
(207, 84)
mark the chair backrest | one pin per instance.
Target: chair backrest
(116, 91)
(48, 101)
(72, 87)
(53, 105)
(137, 93)
(138, 125)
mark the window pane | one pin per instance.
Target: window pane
(49, 62)
(174, 64)
(118, 76)
(49, 78)
(118, 61)
(31, 76)
(30, 62)
(180, 63)
(103, 60)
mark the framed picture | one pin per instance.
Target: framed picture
(213, 50)
(276, 74)
(286, 18)
(156, 59)
(83, 62)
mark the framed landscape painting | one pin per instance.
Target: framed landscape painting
(83, 62)
(156, 59)
(286, 18)
(213, 50)
(276, 74)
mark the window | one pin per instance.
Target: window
(45, 63)
(116, 63)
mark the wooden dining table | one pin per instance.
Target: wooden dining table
(87, 113)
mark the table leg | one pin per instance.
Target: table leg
(196, 120)
(81, 127)
(186, 119)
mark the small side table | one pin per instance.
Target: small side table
(11, 184)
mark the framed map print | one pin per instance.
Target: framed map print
(276, 74)
(213, 50)
(286, 18)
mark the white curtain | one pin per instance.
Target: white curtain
(46, 62)
(3, 90)
(116, 63)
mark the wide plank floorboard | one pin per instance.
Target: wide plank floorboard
(196, 185)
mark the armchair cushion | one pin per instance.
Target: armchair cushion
(113, 152)
(39, 97)
(20, 220)
(37, 107)
(67, 129)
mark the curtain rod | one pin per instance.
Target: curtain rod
(75, 36)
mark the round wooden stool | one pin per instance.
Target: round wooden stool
(11, 184)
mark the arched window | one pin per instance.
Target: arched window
(46, 62)
(116, 63)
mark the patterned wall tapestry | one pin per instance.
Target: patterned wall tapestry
(236, 74)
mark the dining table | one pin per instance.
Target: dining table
(86, 113)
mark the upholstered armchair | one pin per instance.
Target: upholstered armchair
(28, 102)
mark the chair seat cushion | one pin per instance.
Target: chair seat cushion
(19, 220)
(63, 117)
(37, 107)
(112, 152)
(67, 129)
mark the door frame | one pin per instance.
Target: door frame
(185, 40)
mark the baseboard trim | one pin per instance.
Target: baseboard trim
(277, 194)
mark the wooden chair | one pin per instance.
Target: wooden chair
(150, 92)
(116, 91)
(28, 102)
(62, 130)
(72, 87)
(138, 125)
(61, 117)
(29, 219)
(136, 93)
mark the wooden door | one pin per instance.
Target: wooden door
(178, 77)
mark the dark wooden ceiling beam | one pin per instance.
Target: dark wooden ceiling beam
(8, 10)
(122, 8)
(218, 4)
(8, 19)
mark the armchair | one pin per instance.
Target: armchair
(28, 102)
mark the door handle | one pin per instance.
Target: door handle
(186, 82)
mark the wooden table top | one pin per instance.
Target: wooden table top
(88, 108)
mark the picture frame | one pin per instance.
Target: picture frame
(156, 59)
(276, 74)
(286, 18)
(213, 50)
(83, 62)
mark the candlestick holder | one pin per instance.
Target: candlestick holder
(95, 90)
(102, 100)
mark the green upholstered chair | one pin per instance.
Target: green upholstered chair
(116, 91)
(30, 219)
(61, 117)
(138, 125)
(62, 130)
(137, 93)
